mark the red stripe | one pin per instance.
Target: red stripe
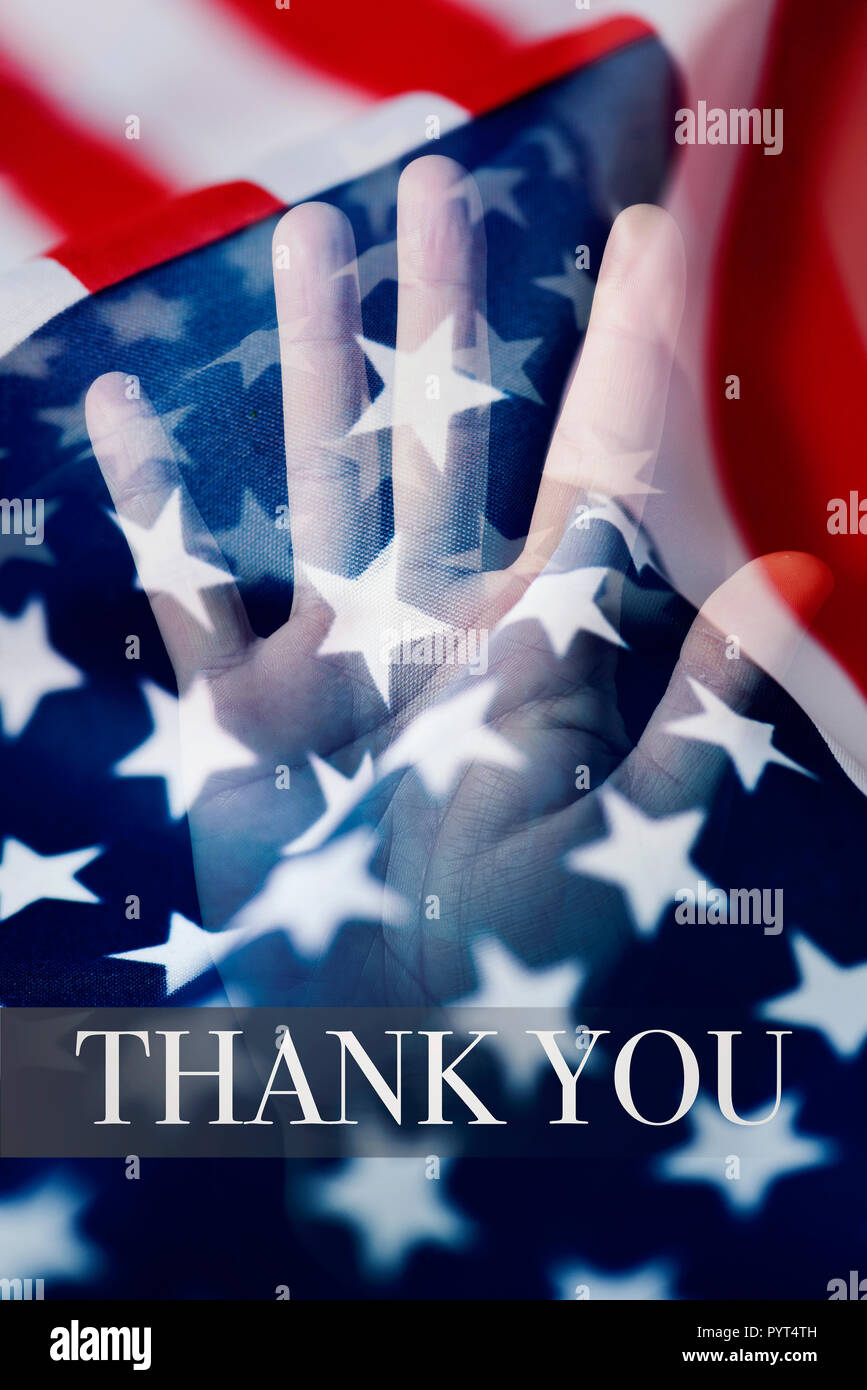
(397, 46)
(167, 230)
(785, 320)
(74, 179)
(426, 45)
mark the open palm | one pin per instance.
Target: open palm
(452, 712)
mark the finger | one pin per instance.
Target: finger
(749, 627)
(329, 474)
(197, 608)
(608, 433)
(440, 433)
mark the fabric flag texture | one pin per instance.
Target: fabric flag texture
(554, 166)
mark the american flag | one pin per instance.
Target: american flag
(561, 126)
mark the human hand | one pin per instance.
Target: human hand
(464, 790)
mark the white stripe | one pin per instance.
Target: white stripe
(31, 295)
(23, 232)
(211, 97)
(385, 133)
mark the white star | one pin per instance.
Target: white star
(39, 1236)
(650, 1283)
(254, 355)
(27, 877)
(33, 358)
(189, 951)
(450, 736)
(160, 754)
(367, 610)
(155, 435)
(163, 427)
(187, 746)
(830, 997)
(508, 357)
(310, 896)
(394, 1208)
(250, 253)
(747, 741)
(559, 156)
(429, 366)
(30, 667)
(497, 190)
(646, 857)
(142, 315)
(564, 604)
(765, 1153)
(253, 545)
(340, 795)
(504, 982)
(70, 420)
(602, 508)
(165, 566)
(605, 470)
(576, 286)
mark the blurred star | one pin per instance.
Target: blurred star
(144, 315)
(186, 747)
(28, 877)
(39, 1236)
(31, 668)
(830, 997)
(406, 398)
(310, 896)
(164, 565)
(564, 605)
(747, 741)
(340, 794)
(366, 609)
(646, 857)
(765, 1153)
(450, 736)
(393, 1207)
